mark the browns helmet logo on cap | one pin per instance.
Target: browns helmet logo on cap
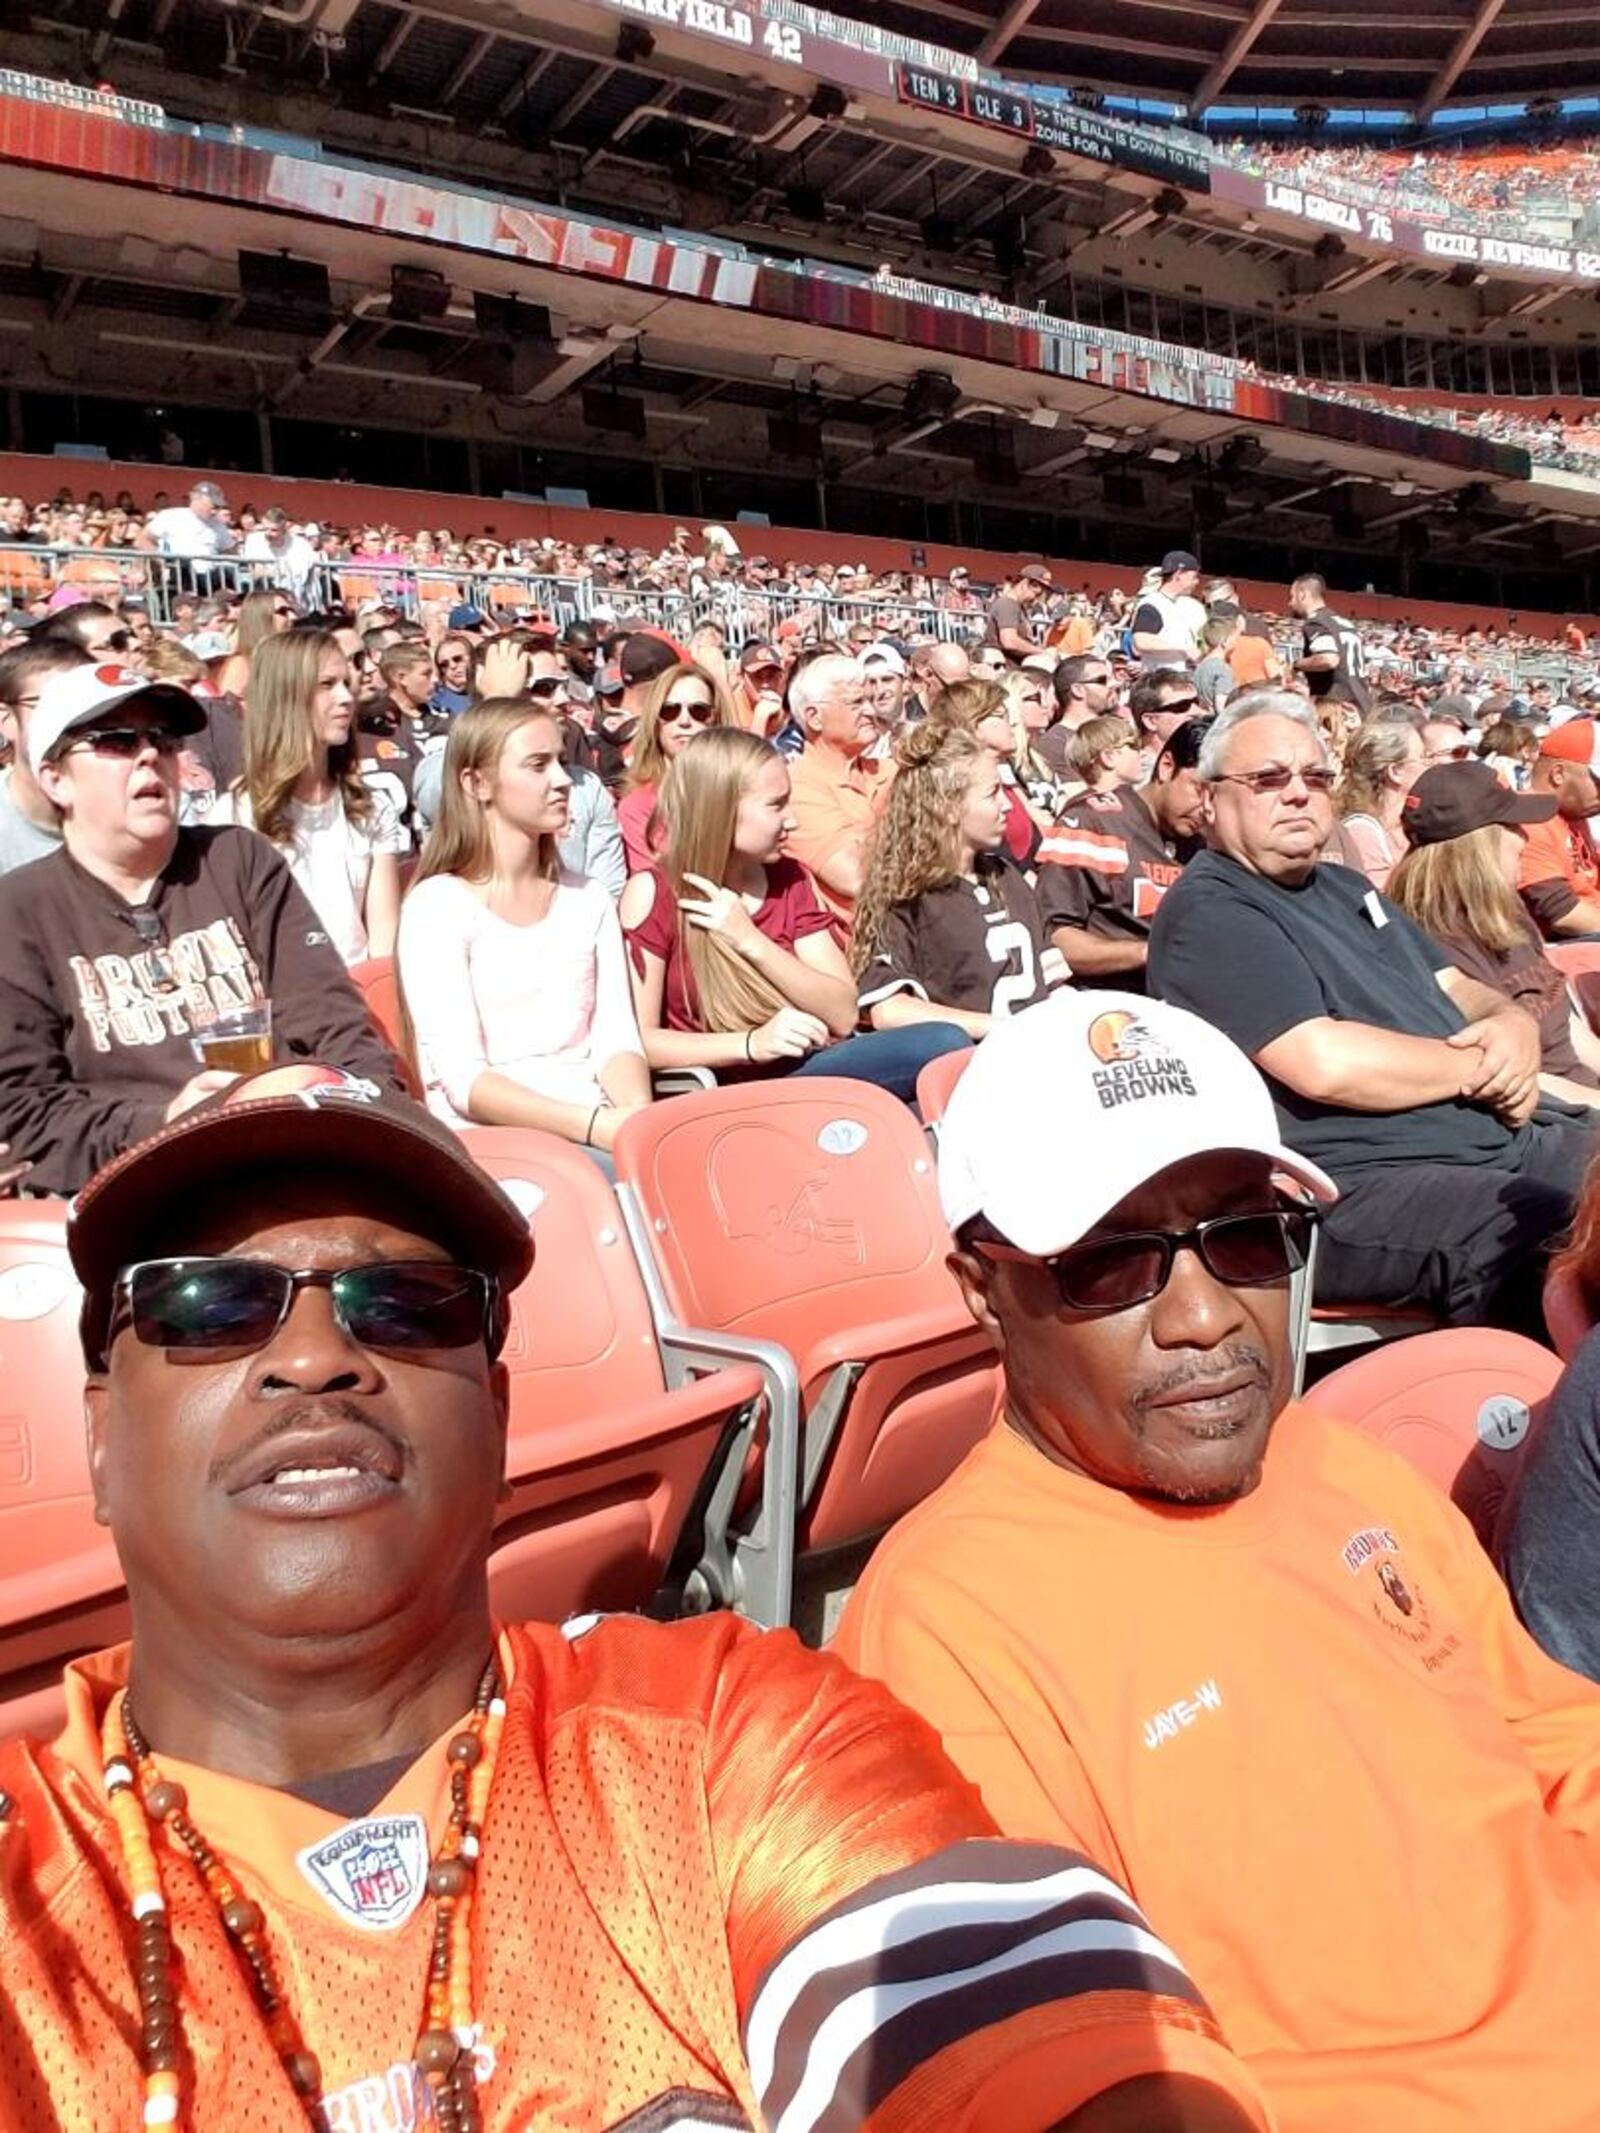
(1135, 1062)
(1119, 1035)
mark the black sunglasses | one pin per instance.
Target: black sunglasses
(239, 1304)
(702, 714)
(128, 741)
(1116, 1273)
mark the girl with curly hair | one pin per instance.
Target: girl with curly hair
(947, 930)
(735, 963)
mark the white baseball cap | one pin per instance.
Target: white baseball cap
(1073, 1104)
(83, 695)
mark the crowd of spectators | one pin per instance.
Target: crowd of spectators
(1505, 188)
(1245, 931)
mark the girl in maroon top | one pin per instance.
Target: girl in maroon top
(735, 963)
(682, 702)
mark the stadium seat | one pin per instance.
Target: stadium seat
(1584, 986)
(378, 983)
(936, 1081)
(1326, 1329)
(612, 1448)
(1573, 958)
(1460, 1405)
(61, 1589)
(1567, 1316)
(804, 1213)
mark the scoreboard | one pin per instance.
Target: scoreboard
(1054, 125)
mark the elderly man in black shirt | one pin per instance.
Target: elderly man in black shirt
(1415, 1085)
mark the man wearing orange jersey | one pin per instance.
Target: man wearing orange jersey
(1247, 1659)
(323, 1846)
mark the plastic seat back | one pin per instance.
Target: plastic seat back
(378, 982)
(604, 1463)
(805, 1213)
(1568, 1316)
(61, 1589)
(1461, 1406)
(1584, 986)
(1573, 958)
(936, 1083)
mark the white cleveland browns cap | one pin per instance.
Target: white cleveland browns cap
(82, 696)
(1073, 1104)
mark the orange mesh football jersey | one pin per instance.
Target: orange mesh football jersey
(723, 1882)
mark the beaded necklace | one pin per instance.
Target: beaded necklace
(139, 1797)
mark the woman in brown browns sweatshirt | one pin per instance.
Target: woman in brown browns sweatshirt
(116, 950)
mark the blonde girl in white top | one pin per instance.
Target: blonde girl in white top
(302, 789)
(512, 973)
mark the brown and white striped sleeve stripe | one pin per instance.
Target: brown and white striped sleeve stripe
(924, 1959)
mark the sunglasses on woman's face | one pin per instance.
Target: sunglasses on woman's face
(693, 707)
(238, 1305)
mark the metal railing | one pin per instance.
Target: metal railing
(428, 592)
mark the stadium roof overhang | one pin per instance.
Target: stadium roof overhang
(1281, 52)
(708, 114)
(850, 400)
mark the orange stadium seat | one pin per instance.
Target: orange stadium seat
(1574, 958)
(1567, 1316)
(1460, 1405)
(805, 1213)
(936, 1082)
(61, 1589)
(378, 983)
(1584, 986)
(608, 1459)
(24, 576)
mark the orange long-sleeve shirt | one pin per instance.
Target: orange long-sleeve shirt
(1308, 1733)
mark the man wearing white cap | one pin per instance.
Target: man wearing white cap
(1245, 1658)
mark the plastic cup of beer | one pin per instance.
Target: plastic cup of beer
(238, 1041)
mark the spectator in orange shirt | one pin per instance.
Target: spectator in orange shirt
(330, 1846)
(836, 787)
(1559, 876)
(1252, 657)
(1249, 1660)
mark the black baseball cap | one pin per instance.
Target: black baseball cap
(1453, 799)
(1177, 559)
(303, 1113)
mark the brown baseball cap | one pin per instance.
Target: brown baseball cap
(1453, 799)
(300, 1114)
(1037, 574)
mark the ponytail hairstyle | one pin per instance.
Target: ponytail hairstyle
(459, 842)
(280, 740)
(917, 843)
(700, 797)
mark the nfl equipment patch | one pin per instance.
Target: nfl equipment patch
(372, 1873)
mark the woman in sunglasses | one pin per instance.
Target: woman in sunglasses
(303, 789)
(735, 962)
(683, 701)
(512, 974)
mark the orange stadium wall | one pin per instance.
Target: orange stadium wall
(36, 475)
